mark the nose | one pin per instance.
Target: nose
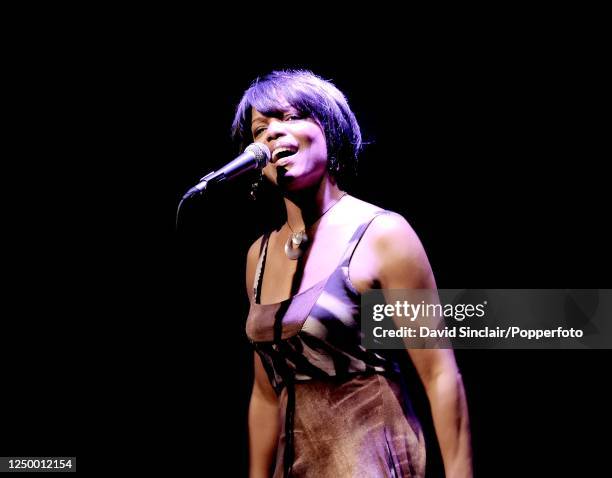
(275, 130)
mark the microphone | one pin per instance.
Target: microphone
(256, 155)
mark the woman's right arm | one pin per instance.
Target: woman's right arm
(263, 407)
(263, 424)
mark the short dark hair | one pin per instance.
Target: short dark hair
(311, 96)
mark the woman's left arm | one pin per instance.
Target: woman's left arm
(400, 262)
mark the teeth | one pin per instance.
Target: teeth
(277, 151)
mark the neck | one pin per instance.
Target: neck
(305, 207)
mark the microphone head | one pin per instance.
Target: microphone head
(261, 152)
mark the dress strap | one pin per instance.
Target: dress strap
(261, 265)
(289, 451)
(359, 232)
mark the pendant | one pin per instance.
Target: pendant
(294, 244)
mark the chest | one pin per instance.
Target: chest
(284, 278)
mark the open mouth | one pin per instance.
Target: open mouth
(282, 153)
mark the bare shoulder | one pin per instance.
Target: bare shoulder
(251, 264)
(356, 211)
(385, 227)
(396, 253)
(392, 232)
(254, 248)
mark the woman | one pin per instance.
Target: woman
(322, 405)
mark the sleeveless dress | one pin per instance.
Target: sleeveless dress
(344, 409)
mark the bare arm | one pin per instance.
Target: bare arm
(263, 424)
(444, 387)
(401, 263)
(263, 407)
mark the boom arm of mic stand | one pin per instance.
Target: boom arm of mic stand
(200, 187)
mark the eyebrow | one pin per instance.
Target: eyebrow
(275, 114)
(257, 120)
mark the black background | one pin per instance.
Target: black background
(124, 336)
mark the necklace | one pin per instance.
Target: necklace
(294, 247)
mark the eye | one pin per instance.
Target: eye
(293, 117)
(258, 131)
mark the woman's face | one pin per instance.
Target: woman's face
(298, 147)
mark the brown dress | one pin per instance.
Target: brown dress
(344, 409)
